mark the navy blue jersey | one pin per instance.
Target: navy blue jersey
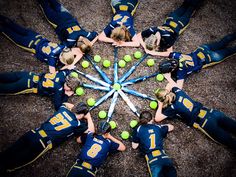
(62, 125)
(183, 106)
(53, 85)
(150, 137)
(168, 36)
(96, 149)
(48, 52)
(123, 17)
(70, 31)
(187, 64)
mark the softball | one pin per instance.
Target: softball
(102, 114)
(79, 91)
(125, 135)
(106, 63)
(133, 123)
(160, 77)
(122, 63)
(112, 124)
(91, 101)
(97, 58)
(150, 62)
(74, 74)
(153, 104)
(137, 54)
(127, 58)
(85, 64)
(117, 86)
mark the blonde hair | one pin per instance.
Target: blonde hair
(120, 33)
(84, 45)
(151, 42)
(165, 96)
(67, 57)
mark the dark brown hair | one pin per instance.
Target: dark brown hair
(145, 117)
(72, 82)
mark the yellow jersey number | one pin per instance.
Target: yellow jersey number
(49, 83)
(152, 138)
(94, 150)
(188, 104)
(59, 118)
(123, 20)
(186, 60)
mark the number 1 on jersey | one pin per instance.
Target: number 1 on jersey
(152, 138)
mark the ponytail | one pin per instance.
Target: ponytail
(144, 118)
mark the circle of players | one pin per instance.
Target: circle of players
(75, 120)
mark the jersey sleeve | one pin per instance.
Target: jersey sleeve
(148, 32)
(164, 130)
(59, 97)
(114, 147)
(52, 62)
(83, 138)
(135, 138)
(132, 31)
(109, 29)
(181, 74)
(83, 126)
(89, 35)
(169, 111)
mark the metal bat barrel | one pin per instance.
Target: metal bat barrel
(92, 78)
(138, 94)
(102, 99)
(96, 87)
(96, 67)
(115, 64)
(138, 79)
(132, 69)
(129, 103)
(112, 106)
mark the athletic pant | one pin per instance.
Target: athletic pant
(24, 151)
(124, 5)
(218, 126)
(22, 37)
(81, 169)
(179, 19)
(55, 13)
(218, 51)
(160, 165)
(18, 82)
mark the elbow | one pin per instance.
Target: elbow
(157, 119)
(122, 147)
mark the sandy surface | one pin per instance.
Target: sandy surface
(193, 153)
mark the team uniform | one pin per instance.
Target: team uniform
(44, 50)
(29, 147)
(213, 123)
(93, 153)
(150, 138)
(123, 14)
(203, 56)
(174, 25)
(66, 26)
(52, 85)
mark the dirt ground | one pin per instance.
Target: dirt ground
(194, 154)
